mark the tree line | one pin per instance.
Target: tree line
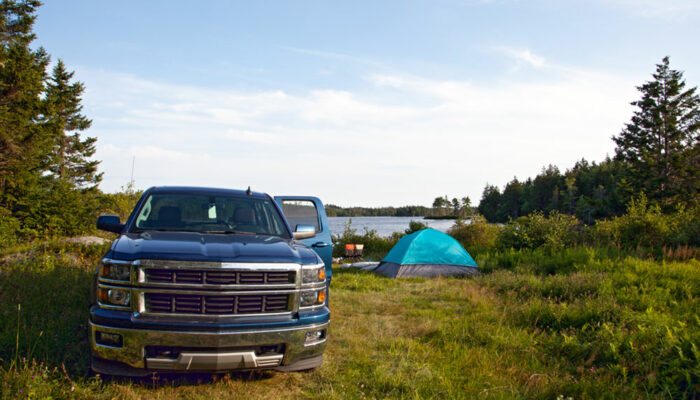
(657, 156)
(404, 211)
(442, 207)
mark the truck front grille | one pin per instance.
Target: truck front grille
(218, 277)
(167, 303)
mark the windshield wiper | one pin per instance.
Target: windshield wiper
(230, 232)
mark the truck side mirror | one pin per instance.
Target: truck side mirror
(109, 223)
(304, 231)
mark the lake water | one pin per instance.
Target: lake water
(385, 226)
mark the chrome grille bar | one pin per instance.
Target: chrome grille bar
(163, 303)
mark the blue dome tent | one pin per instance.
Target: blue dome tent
(427, 253)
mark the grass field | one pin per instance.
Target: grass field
(580, 324)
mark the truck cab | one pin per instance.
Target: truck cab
(212, 280)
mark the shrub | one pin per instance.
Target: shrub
(415, 226)
(645, 225)
(122, 202)
(477, 235)
(687, 226)
(9, 228)
(553, 232)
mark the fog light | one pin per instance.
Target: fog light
(118, 297)
(109, 339)
(315, 336)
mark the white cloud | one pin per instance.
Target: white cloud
(523, 56)
(402, 140)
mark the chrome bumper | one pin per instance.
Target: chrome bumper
(208, 361)
(134, 343)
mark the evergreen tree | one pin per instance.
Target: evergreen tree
(47, 183)
(546, 189)
(660, 144)
(511, 201)
(22, 74)
(455, 206)
(466, 207)
(490, 203)
(69, 161)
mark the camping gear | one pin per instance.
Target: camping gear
(427, 253)
(349, 250)
(354, 250)
(364, 265)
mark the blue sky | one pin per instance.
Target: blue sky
(361, 103)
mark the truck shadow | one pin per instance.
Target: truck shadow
(44, 303)
(158, 380)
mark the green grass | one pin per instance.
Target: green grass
(582, 323)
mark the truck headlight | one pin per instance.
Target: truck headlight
(115, 272)
(312, 298)
(313, 273)
(115, 297)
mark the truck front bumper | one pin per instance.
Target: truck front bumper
(126, 351)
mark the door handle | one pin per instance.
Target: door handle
(320, 244)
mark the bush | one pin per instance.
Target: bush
(687, 226)
(9, 229)
(415, 226)
(553, 232)
(645, 225)
(122, 202)
(477, 235)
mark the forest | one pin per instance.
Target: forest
(657, 155)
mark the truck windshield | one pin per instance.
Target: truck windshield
(210, 214)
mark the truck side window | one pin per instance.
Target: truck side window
(301, 212)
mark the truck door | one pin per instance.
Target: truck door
(305, 210)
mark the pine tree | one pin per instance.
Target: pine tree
(660, 144)
(22, 73)
(490, 203)
(69, 161)
(511, 200)
(47, 182)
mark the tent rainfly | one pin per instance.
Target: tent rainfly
(427, 253)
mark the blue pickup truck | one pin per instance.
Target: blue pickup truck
(212, 280)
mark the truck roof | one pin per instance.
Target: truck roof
(207, 191)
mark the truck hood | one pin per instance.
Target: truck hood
(191, 246)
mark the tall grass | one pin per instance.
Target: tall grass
(581, 323)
